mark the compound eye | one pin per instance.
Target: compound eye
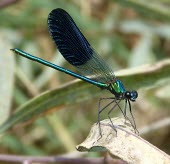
(128, 94)
(134, 95)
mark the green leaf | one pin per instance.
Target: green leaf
(6, 75)
(78, 91)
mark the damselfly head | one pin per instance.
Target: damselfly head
(131, 95)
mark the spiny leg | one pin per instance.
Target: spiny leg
(134, 125)
(121, 110)
(117, 104)
(124, 113)
(125, 107)
(126, 117)
(100, 110)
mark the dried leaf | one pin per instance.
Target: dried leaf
(125, 145)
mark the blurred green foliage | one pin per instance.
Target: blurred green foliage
(123, 36)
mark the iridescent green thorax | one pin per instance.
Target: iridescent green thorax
(117, 87)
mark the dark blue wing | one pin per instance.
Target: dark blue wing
(75, 48)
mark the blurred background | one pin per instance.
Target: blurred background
(126, 35)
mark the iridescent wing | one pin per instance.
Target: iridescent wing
(75, 48)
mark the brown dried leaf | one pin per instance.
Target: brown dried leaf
(126, 145)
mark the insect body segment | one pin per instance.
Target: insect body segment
(79, 53)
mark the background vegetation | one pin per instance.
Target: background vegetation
(127, 35)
